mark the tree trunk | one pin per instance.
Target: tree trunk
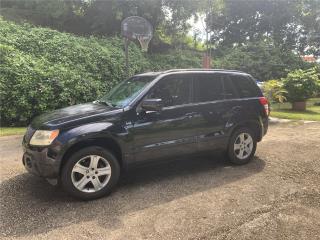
(299, 106)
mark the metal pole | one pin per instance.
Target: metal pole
(210, 48)
(126, 46)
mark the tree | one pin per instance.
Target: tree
(262, 60)
(289, 24)
(63, 15)
(168, 17)
(310, 18)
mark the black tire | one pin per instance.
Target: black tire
(231, 148)
(66, 178)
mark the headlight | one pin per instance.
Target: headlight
(43, 138)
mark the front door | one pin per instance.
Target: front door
(170, 132)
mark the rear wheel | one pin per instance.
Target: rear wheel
(242, 146)
(90, 173)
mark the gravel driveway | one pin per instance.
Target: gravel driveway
(276, 196)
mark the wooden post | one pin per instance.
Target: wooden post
(206, 61)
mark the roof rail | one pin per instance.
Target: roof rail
(201, 70)
(148, 73)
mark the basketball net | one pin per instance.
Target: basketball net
(144, 42)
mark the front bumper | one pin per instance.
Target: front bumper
(38, 162)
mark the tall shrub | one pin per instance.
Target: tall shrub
(42, 69)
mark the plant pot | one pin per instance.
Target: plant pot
(299, 106)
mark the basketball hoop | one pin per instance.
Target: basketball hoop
(138, 28)
(144, 42)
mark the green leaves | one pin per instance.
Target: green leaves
(290, 24)
(301, 84)
(273, 89)
(262, 60)
(43, 69)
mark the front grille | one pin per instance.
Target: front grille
(29, 134)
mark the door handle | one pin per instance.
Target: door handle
(190, 115)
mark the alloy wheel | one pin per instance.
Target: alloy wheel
(91, 173)
(243, 145)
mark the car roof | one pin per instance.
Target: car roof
(190, 70)
(146, 74)
(202, 70)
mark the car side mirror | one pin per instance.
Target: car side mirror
(153, 104)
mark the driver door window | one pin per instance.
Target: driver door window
(173, 90)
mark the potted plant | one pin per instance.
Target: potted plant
(301, 85)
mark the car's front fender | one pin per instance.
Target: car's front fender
(86, 132)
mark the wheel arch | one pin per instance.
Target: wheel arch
(104, 142)
(255, 126)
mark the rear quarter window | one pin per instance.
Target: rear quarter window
(229, 90)
(245, 86)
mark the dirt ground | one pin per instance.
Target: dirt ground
(276, 196)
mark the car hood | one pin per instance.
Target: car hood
(72, 115)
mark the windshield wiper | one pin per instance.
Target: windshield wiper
(105, 102)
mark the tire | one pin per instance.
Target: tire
(90, 173)
(247, 147)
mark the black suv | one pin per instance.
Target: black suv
(150, 116)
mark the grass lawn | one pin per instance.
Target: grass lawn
(6, 131)
(284, 111)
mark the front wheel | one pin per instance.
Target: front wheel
(242, 146)
(90, 173)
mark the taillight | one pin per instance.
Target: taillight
(265, 104)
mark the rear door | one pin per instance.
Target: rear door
(211, 117)
(241, 99)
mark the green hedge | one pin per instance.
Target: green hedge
(43, 69)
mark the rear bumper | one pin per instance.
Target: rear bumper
(37, 162)
(264, 124)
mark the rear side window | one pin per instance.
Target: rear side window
(208, 87)
(245, 86)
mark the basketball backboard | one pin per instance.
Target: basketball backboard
(135, 27)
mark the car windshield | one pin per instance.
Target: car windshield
(123, 93)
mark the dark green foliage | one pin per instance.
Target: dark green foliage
(98, 17)
(263, 61)
(42, 69)
(176, 59)
(290, 24)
